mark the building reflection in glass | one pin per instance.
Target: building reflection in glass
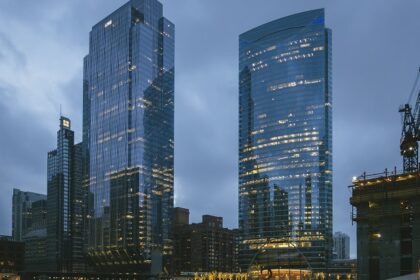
(285, 160)
(129, 136)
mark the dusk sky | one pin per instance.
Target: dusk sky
(376, 55)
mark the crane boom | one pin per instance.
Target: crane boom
(416, 114)
(413, 89)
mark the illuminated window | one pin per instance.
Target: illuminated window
(66, 123)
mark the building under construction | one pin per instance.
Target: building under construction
(386, 208)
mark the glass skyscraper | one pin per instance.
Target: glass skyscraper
(22, 214)
(65, 203)
(128, 136)
(285, 157)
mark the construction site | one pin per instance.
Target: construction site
(386, 208)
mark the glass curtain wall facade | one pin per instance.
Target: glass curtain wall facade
(65, 203)
(128, 132)
(22, 214)
(36, 239)
(285, 121)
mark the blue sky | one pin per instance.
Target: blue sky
(42, 45)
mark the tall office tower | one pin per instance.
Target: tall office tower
(285, 160)
(22, 212)
(128, 132)
(341, 246)
(65, 203)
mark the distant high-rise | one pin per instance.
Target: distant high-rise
(285, 145)
(341, 246)
(65, 203)
(128, 136)
(22, 212)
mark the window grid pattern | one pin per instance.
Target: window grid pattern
(129, 135)
(285, 128)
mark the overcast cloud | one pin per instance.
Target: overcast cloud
(42, 44)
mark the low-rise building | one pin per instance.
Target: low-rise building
(205, 246)
(343, 269)
(11, 255)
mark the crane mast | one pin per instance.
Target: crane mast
(408, 145)
(411, 132)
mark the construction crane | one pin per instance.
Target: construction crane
(411, 131)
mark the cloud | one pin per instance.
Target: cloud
(10, 54)
(206, 121)
(35, 77)
(24, 143)
(42, 44)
